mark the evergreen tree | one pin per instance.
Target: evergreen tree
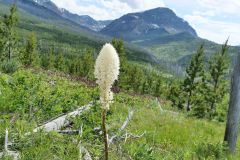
(200, 101)
(157, 89)
(218, 68)
(87, 66)
(48, 59)
(175, 94)
(135, 77)
(8, 37)
(71, 65)
(77, 64)
(144, 87)
(119, 46)
(195, 72)
(59, 62)
(30, 56)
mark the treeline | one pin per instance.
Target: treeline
(205, 86)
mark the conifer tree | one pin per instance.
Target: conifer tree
(218, 68)
(87, 66)
(119, 46)
(59, 62)
(8, 36)
(48, 59)
(175, 94)
(30, 56)
(194, 72)
(157, 89)
(200, 100)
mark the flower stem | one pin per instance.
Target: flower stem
(104, 113)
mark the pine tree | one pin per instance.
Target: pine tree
(200, 108)
(8, 36)
(48, 59)
(175, 94)
(87, 66)
(59, 62)
(30, 56)
(157, 89)
(119, 46)
(218, 68)
(194, 72)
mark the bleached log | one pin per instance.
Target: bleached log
(13, 154)
(128, 119)
(57, 123)
(7, 152)
(6, 141)
(54, 124)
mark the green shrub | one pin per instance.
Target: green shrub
(9, 66)
(144, 151)
(210, 151)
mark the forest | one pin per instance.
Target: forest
(154, 115)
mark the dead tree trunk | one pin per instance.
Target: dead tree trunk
(231, 131)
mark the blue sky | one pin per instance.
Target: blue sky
(215, 20)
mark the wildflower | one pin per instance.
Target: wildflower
(106, 71)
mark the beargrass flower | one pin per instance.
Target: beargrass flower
(106, 72)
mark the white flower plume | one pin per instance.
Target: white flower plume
(106, 71)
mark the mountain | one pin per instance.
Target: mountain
(148, 25)
(163, 33)
(83, 20)
(51, 28)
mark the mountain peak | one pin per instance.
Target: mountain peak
(148, 24)
(160, 9)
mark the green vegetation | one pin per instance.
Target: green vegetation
(181, 51)
(43, 80)
(205, 87)
(168, 134)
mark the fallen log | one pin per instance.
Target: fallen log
(60, 122)
(7, 152)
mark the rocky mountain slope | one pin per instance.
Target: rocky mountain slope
(83, 20)
(151, 24)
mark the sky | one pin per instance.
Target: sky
(215, 20)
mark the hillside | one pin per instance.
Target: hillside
(167, 133)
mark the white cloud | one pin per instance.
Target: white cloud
(143, 4)
(214, 30)
(221, 6)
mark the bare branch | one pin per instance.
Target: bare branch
(125, 123)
